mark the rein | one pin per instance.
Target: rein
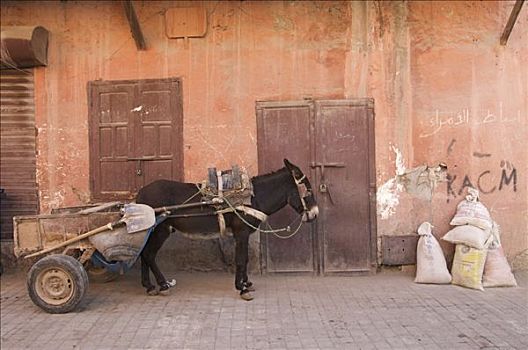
(301, 188)
(274, 231)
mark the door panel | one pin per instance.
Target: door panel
(112, 170)
(135, 135)
(156, 141)
(156, 170)
(342, 139)
(284, 132)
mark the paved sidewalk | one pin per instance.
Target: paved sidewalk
(385, 311)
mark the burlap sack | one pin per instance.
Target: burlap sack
(497, 271)
(469, 235)
(431, 265)
(471, 211)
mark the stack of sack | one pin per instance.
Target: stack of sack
(479, 258)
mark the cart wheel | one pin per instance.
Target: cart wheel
(57, 283)
(100, 274)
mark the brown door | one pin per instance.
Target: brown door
(135, 135)
(286, 126)
(345, 164)
(333, 142)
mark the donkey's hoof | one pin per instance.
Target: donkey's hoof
(152, 291)
(246, 295)
(171, 283)
(164, 289)
(249, 286)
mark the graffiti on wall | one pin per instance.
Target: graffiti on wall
(465, 116)
(503, 178)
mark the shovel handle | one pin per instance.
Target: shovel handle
(109, 226)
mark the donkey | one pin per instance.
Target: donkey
(271, 192)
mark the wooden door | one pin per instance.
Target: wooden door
(333, 142)
(345, 164)
(284, 131)
(135, 135)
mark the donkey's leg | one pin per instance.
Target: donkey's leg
(158, 237)
(247, 283)
(145, 277)
(241, 258)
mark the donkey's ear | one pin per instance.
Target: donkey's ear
(288, 164)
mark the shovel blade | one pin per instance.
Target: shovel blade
(138, 217)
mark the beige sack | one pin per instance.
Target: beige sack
(469, 235)
(497, 271)
(472, 212)
(431, 265)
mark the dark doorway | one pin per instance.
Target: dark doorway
(135, 135)
(333, 141)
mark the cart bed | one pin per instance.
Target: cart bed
(33, 233)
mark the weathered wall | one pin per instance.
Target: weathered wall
(469, 98)
(424, 63)
(470, 108)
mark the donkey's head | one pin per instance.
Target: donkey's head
(301, 197)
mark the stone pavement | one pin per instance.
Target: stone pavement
(385, 311)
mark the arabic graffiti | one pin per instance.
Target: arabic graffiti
(485, 182)
(442, 119)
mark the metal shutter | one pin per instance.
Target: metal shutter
(18, 148)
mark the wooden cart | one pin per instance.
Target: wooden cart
(84, 242)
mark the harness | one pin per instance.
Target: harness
(238, 201)
(303, 191)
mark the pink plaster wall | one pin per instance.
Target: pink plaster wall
(416, 59)
(470, 107)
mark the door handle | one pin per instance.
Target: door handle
(141, 158)
(326, 165)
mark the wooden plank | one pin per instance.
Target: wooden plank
(186, 22)
(511, 22)
(135, 27)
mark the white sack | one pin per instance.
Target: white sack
(472, 212)
(431, 266)
(469, 235)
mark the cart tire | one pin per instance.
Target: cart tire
(57, 283)
(100, 274)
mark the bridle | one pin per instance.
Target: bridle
(303, 191)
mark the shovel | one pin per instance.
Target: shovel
(136, 217)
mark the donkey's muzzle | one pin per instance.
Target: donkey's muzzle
(311, 214)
